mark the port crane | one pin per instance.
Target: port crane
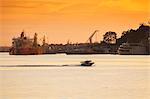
(90, 38)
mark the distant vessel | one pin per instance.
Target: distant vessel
(26, 46)
(132, 49)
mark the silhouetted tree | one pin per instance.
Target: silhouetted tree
(110, 37)
(135, 36)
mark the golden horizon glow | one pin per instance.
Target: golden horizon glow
(73, 20)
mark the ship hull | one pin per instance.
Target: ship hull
(26, 51)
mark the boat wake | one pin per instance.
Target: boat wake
(40, 66)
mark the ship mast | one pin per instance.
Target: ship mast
(35, 40)
(22, 34)
(44, 40)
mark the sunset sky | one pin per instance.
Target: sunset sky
(74, 20)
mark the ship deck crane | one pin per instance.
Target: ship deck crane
(90, 38)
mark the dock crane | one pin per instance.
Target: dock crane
(90, 38)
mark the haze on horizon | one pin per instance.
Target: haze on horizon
(74, 20)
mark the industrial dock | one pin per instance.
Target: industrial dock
(109, 45)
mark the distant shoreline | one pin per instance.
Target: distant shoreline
(79, 54)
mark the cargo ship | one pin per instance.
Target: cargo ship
(26, 46)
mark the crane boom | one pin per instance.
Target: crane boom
(90, 38)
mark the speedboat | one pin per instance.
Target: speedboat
(87, 63)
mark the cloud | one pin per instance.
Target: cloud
(28, 3)
(71, 7)
(127, 5)
(17, 6)
(37, 7)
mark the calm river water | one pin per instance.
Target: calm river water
(112, 77)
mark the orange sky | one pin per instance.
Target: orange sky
(74, 20)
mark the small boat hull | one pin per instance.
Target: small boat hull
(87, 64)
